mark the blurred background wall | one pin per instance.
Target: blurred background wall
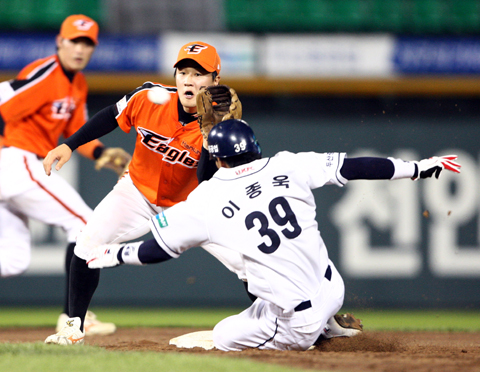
(388, 78)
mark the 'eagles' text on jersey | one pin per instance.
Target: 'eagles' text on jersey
(166, 155)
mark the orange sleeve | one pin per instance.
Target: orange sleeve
(27, 100)
(126, 110)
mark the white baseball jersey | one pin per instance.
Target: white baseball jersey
(264, 211)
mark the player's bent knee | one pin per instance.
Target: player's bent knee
(81, 251)
(223, 339)
(13, 266)
(220, 342)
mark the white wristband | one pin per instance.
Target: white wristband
(403, 169)
(130, 254)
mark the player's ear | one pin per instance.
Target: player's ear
(216, 81)
(58, 41)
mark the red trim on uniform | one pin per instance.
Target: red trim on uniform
(49, 193)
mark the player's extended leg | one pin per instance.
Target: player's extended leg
(121, 216)
(93, 326)
(249, 329)
(83, 283)
(32, 194)
(266, 326)
(68, 260)
(14, 232)
(52, 201)
(14, 242)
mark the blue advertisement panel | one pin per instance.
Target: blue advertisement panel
(448, 55)
(114, 53)
(285, 55)
(126, 53)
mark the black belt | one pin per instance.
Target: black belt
(307, 304)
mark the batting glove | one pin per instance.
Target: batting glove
(104, 256)
(426, 168)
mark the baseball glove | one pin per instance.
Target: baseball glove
(114, 158)
(216, 103)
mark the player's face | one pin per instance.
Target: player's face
(189, 81)
(75, 54)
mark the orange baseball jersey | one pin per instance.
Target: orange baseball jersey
(42, 104)
(167, 152)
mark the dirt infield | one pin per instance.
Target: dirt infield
(372, 352)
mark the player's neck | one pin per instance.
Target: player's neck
(183, 116)
(69, 74)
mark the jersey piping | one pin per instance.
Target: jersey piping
(41, 104)
(247, 175)
(51, 194)
(274, 334)
(337, 172)
(37, 75)
(146, 86)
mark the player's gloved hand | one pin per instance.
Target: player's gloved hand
(104, 256)
(114, 158)
(216, 103)
(428, 167)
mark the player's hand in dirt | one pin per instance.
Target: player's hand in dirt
(60, 154)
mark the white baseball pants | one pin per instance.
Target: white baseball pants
(265, 326)
(123, 215)
(26, 192)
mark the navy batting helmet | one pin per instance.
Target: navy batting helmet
(232, 137)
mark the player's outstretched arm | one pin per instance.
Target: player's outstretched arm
(368, 168)
(134, 253)
(60, 154)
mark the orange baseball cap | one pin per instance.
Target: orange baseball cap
(202, 53)
(78, 25)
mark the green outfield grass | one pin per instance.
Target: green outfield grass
(42, 358)
(39, 357)
(403, 320)
(123, 317)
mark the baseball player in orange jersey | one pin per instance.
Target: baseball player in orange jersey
(162, 172)
(45, 101)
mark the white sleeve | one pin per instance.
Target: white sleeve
(179, 228)
(320, 168)
(403, 169)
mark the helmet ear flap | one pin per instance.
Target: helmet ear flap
(231, 138)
